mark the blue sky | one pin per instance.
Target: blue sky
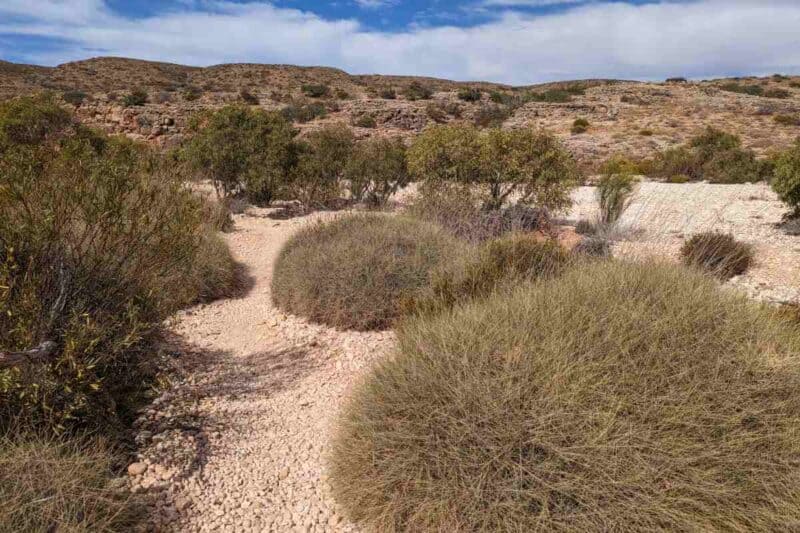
(513, 41)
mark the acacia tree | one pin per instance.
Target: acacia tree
(243, 150)
(316, 179)
(376, 170)
(531, 167)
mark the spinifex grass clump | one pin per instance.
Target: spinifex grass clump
(355, 271)
(718, 253)
(618, 397)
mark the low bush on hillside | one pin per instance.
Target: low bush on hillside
(302, 113)
(376, 170)
(135, 98)
(552, 96)
(316, 179)
(388, 93)
(718, 253)
(365, 121)
(677, 80)
(531, 168)
(787, 120)
(75, 98)
(752, 90)
(616, 397)
(500, 263)
(777, 93)
(491, 115)
(786, 182)
(192, 93)
(248, 98)
(315, 90)
(580, 125)
(98, 245)
(715, 156)
(417, 91)
(355, 271)
(49, 484)
(470, 94)
(243, 151)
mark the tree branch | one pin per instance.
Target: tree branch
(38, 354)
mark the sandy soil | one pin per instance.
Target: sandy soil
(238, 442)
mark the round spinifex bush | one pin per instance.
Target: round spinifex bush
(355, 272)
(617, 397)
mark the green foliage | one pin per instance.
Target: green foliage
(248, 98)
(365, 121)
(615, 187)
(787, 120)
(316, 91)
(677, 80)
(491, 115)
(417, 91)
(303, 113)
(777, 93)
(470, 94)
(51, 484)
(137, 97)
(580, 125)
(376, 170)
(98, 243)
(786, 182)
(192, 93)
(388, 93)
(341, 94)
(532, 166)
(500, 263)
(354, 272)
(317, 178)
(75, 98)
(616, 397)
(752, 90)
(717, 253)
(243, 150)
(552, 96)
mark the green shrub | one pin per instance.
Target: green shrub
(470, 94)
(616, 397)
(135, 98)
(317, 179)
(585, 227)
(777, 93)
(580, 125)
(376, 170)
(646, 132)
(491, 116)
(752, 90)
(315, 90)
(365, 121)
(388, 93)
(786, 182)
(677, 80)
(354, 272)
(341, 94)
(417, 91)
(614, 189)
(243, 150)
(192, 93)
(717, 253)
(248, 98)
(794, 84)
(787, 120)
(500, 263)
(593, 247)
(97, 242)
(61, 485)
(75, 98)
(304, 112)
(678, 179)
(552, 96)
(532, 167)
(436, 112)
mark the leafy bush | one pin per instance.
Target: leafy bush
(552, 96)
(500, 263)
(786, 182)
(243, 150)
(491, 116)
(192, 93)
(416, 91)
(787, 120)
(248, 98)
(436, 112)
(353, 272)
(317, 178)
(75, 98)
(677, 80)
(580, 125)
(615, 397)
(532, 166)
(718, 253)
(585, 227)
(388, 93)
(99, 244)
(341, 94)
(614, 189)
(470, 94)
(60, 485)
(777, 93)
(376, 170)
(365, 121)
(304, 112)
(315, 91)
(752, 90)
(135, 98)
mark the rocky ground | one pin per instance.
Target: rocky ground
(238, 442)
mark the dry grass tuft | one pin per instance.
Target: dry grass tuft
(61, 485)
(718, 253)
(353, 272)
(618, 397)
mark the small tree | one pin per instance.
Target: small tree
(615, 188)
(786, 182)
(376, 170)
(316, 179)
(135, 98)
(243, 150)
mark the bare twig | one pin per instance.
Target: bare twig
(40, 353)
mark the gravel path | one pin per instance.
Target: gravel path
(259, 394)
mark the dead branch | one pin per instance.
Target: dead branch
(38, 354)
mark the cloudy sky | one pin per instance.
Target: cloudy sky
(512, 41)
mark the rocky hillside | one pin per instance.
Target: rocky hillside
(626, 117)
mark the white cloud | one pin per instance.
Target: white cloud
(375, 4)
(601, 39)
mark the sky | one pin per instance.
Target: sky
(509, 41)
